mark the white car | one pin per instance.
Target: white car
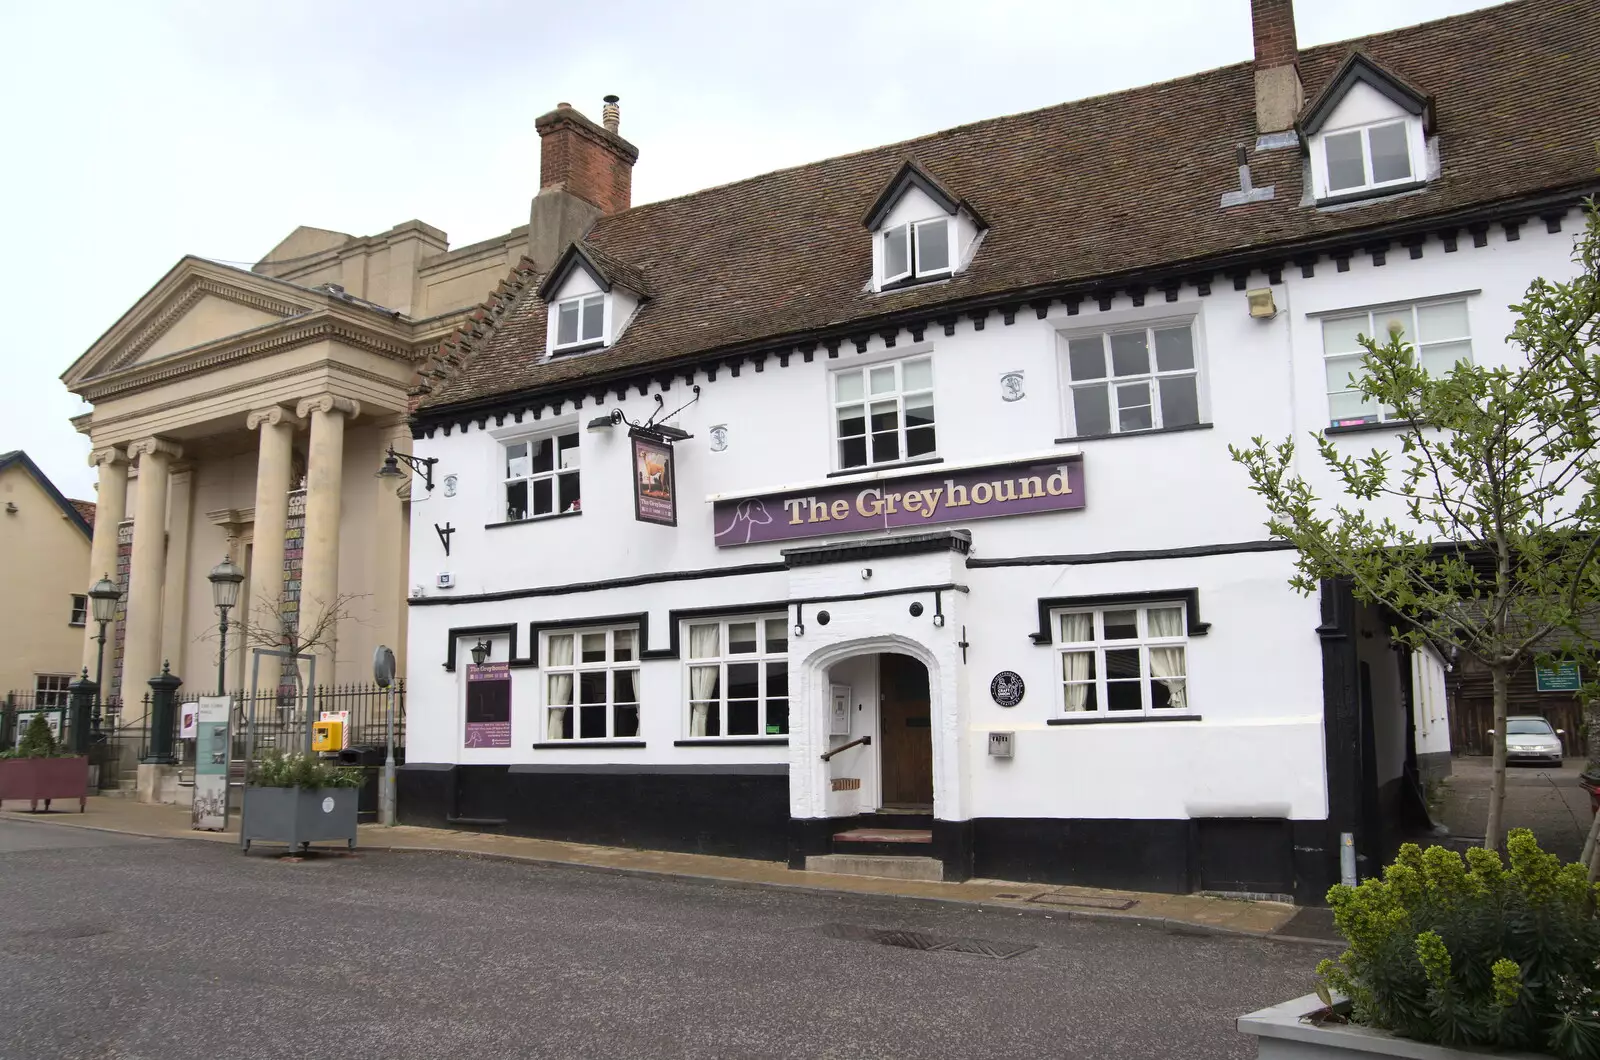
(1529, 738)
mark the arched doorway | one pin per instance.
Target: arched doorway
(886, 698)
(905, 724)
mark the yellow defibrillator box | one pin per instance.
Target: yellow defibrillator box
(327, 735)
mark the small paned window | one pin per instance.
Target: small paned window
(80, 610)
(1124, 660)
(1137, 379)
(917, 250)
(580, 320)
(739, 677)
(50, 690)
(541, 476)
(592, 684)
(1438, 331)
(883, 413)
(1368, 157)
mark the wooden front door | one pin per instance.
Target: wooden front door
(907, 753)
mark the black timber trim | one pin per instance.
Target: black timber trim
(1382, 192)
(1198, 271)
(754, 769)
(572, 588)
(640, 619)
(1117, 719)
(1364, 428)
(878, 548)
(508, 630)
(910, 590)
(530, 519)
(574, 257)
(574, 745)
(718, 741)
(678, 615)
(1341, 707)
(1361, 67)
(920, 462)
(1132, 556)
(1190, 599)
(1135, 434)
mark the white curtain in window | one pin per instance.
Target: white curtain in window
(1166, 664)
(560, 701)
(1077, 629)
(704, 643)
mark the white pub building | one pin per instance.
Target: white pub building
(878, 514)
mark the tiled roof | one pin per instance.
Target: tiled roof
(73, 510)
(85, 510)
(1096, 188)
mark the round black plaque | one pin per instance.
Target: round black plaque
(1007, 688)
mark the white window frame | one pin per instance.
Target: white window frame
(1099, 645)
(1373, 315)
(581, 301)
(761, 657)
(1109, 382)
(51, 691)
(913, 235)
(898, 395)
(80, 610)
(1416, 155)
(575, 670)
(554, 475)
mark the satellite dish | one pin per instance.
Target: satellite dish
(383, 666)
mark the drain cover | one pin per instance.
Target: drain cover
(918, 940)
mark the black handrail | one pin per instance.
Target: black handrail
(861, 741)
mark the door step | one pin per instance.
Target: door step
(888, 841)
(882, 866)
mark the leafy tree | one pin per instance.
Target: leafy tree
(1494, 483)
(37, 739)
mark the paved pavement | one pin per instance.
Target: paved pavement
(1542, 798)
(128, 948)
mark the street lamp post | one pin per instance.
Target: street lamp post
(225, 579)
(103, 597)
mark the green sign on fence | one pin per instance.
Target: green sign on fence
(1560, 677)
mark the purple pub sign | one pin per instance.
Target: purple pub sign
(914, 500)
(488, 705)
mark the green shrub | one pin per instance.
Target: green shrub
(1474, 953)
(278, 770)
(37, 740)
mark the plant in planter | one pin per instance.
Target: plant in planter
(35, 769)
(298, 799)
(1464, 954)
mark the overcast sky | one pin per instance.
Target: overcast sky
(135, 133)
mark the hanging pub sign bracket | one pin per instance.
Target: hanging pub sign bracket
(655, 491)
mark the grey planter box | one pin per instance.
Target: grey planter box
(298, 817)
(1283, 1034)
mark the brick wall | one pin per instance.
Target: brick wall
(590, 162)
(1273, 23)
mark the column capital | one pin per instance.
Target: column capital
(154, 446)
(327, 403)
(107, 456)
(272, 416)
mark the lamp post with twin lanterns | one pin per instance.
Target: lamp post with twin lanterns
(225, 579)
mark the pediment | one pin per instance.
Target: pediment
(195, 304)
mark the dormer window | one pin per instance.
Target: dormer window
(581, 320)
(1371, 157)
(1367, 133)
(917, 251)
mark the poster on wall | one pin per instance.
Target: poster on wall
(55, 717)
(654, 491)
(488, 705)
(211, 746)
(190, 720)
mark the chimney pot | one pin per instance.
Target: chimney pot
(1279, 93)
(563, 106)
(611, 114)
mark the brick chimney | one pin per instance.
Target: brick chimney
(1279, 94)
(585, 172)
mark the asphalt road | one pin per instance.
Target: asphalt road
(1544, 798)
(113, 947)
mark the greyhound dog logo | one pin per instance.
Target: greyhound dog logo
(749, 514)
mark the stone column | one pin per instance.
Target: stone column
(147, 569)
(274, 466)
(111, 507)
(175, 599)
(319, 577)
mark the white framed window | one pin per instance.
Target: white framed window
(1369, 157)
(1124, 660)
(50, 690)
(541, 476)
(580, 320)
(918, 250)
(1438, 331)
(883, 413)
(592, 684)
(738, 673)
(1132, 379)
(80, 610)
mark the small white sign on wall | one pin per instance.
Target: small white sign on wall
(839, 716)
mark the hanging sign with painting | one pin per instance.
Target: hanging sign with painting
(488, 705)
(655, 497)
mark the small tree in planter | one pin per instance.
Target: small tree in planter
(298, 799)
(35, 769)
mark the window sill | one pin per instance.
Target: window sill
(914, 281)
(77, 625)
(1363, 195)
(1363, 428)
(1113, 719)
(1136, 434)
(534, 519)
(569, 745)
(733, 741)
(872, 469)
(577, 347)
